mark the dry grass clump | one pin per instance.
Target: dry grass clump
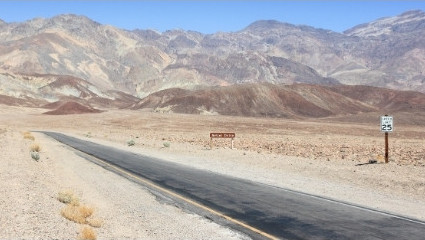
(68, 197)
(35, 148)
(87, 233)
(28, 135)
(81, 214)
(78, 214)
(35, 151)
(94, 222)
(380, 159)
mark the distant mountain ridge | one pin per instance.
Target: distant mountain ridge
(71, 58)
(407, 22)
(388, 52)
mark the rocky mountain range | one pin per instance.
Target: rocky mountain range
(70, 56)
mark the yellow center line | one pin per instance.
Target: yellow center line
(147, 182)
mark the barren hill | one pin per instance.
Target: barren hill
(72, 108)
(384, 99)
(289, 101)
(388, 52)
(37, 90)
(21, 101)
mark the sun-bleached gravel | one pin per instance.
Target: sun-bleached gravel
(30, 210)
(29, 188)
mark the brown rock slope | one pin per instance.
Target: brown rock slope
(384, 99)
(72, 108)
(23, 101)
(261, 100)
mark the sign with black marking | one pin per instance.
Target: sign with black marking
(387, 124)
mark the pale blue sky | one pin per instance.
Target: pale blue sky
(211, 16)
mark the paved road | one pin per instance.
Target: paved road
(276, 211)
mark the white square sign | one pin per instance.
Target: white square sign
(387, 124)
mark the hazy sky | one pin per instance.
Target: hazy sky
(211, 16)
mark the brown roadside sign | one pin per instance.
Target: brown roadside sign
(222, 135)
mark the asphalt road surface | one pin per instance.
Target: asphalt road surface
(279, 212)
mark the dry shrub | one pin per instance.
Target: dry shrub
(75, 201)
(380, 158)
(35, 147)
(35, 156)
(78, 214)
(85, 211)
(131, 143)
(28, 135)
(87, 233)
(95, 222)
(68, 197)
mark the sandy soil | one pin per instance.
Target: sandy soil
(317, 157)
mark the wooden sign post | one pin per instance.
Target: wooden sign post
(222, 135)
(386, 127)
(386, 147)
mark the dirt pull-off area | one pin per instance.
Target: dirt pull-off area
(321, 157)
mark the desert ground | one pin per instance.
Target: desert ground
(324, 157)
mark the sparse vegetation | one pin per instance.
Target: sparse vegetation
(28, 135)
(35, 148)
(35, 156)
(166, 144)
(131, 143)
(95, 222)
(87, 233)
(68, 197)
(78, 214)
(81, 214)
(35, 151)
